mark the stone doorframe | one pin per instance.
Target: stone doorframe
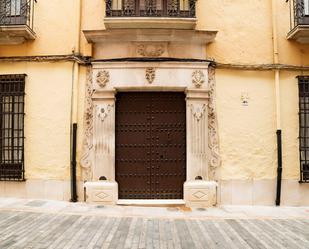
(196, 79)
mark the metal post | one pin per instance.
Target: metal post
(279, 169)
(73, 165)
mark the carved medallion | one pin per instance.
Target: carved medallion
(102, 78)
(150, 74)
(103, 110)
(198, 78)
(150, 50)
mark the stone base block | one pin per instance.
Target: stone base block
(102, 192)
(200, 193)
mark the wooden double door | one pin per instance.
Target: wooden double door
(150, 145)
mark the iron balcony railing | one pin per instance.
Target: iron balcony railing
(299, 13)
(151, 8)
(17, 12)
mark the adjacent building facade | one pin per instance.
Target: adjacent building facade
(155, 101)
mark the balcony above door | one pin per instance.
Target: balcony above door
(167, 14)
(16, 21)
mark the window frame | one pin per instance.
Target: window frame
(12, 128)
(303, 96)
(306, 7)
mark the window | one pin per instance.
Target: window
(303, 85)
(15, 8)
(306, 3)
(12, 91)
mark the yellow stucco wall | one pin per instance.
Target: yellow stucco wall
(55, 24)
(47, 119)
(247, 133)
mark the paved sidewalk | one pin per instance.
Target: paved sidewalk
(29, 224)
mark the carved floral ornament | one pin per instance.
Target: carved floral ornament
(150, 74)
(150, 50)
(198, 78)
(198, 110)
(103, 110)
(102, 78)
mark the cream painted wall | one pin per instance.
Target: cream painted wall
(47, 119)
(290, 124)
(55, 25)
(247, 133)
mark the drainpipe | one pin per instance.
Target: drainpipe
(74, 103)
(278, 105)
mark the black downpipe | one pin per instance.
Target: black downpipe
(279, 169)
(73, 165)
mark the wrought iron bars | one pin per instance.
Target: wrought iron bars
(151, 8)
(12, 91)
(303, 86)
(17, 12)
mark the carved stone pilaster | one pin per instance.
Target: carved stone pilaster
(197, 135)
(104, 135)
(214, 158)
(86, 161)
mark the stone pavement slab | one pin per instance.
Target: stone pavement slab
(37, 224)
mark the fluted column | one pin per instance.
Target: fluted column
(197, 134)
(104, 135)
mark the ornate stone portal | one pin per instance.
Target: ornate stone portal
(197, 80)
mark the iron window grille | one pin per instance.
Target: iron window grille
(17, 12)
(12, 94)
(151, 8)
(303, 86)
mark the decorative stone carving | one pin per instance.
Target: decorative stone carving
(87, 157)
(213, 143)
(200, 193)
(102, 78)
(198, 78)
(198, 110)
(150, 49)
(103, 110)
(101, 192)
(101, 195)
(150, 74)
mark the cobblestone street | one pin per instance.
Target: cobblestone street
(41, 224)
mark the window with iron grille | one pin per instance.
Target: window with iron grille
(303, 86)
(12, 92)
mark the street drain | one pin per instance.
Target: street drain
(100, 206)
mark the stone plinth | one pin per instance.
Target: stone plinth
(199, 193)
(102, 192)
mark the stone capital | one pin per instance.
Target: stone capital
(197, 94)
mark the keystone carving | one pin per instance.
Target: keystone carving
(102, 78)
(150, 50)
(198, 78)
(150, 74)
